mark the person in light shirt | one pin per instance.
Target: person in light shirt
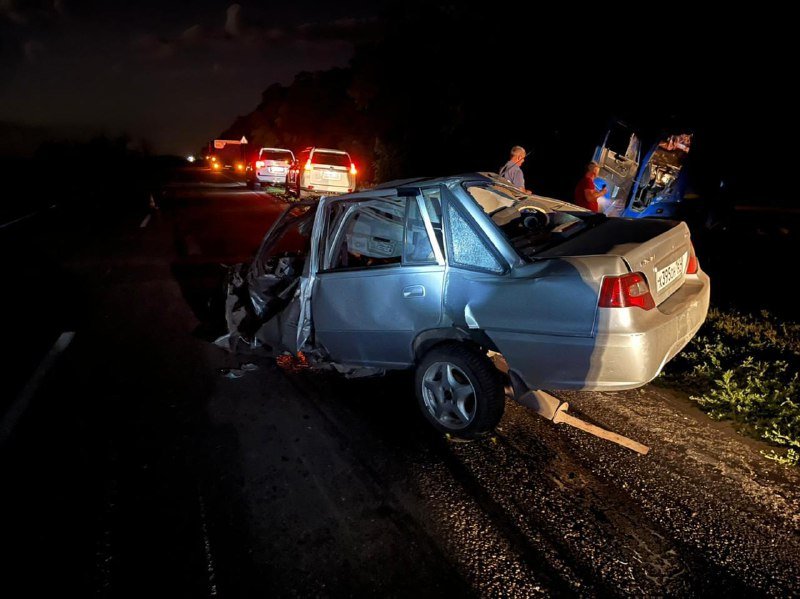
(511, 170)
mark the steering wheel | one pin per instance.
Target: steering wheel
(534, 219)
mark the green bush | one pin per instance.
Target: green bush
(745, 368)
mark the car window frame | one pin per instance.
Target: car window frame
(279, 228)
(333, 239)
(438, 253)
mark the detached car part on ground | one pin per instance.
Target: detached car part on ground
(476, 287)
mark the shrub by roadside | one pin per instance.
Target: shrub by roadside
(746, 368)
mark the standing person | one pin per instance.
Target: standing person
(511, 170)
(585, 193)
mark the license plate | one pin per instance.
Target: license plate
(671, 273)
(277, 169)
(330, 174)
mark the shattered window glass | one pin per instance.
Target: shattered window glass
(418, 245)
(466, 248)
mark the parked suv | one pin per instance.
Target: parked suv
(321, 171)
(269, 167)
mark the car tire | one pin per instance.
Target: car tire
(459, 390)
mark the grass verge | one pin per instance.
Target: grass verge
(746, 368)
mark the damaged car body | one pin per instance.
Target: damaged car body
(657, 186)
(474, 285)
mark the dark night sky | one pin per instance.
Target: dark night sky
(178, 72)
(173, 73)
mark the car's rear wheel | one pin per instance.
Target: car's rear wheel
(459, 390)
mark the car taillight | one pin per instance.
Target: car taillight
(693, 265)
(308, 166)
(626, 291)
(353, 170)
(259, 164)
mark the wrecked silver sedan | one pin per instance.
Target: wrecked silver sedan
(473, 285)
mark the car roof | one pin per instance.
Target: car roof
(330, 150)
(276, 149)
(447, 179)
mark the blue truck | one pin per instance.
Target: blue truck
(656, 186)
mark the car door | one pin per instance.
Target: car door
(380, 283)
(619, 157)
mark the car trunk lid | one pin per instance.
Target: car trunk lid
(659, 249)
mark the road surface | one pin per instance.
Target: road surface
(133, 465)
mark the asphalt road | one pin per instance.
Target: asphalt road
(132, 465)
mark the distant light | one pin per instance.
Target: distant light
(190, 158)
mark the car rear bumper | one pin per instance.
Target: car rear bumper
(277, 179)
(326, 189)
(629, 350)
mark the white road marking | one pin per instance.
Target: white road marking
(210, 569)
(22, 401)
(145, 221)
(26, 217)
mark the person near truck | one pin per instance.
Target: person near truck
(511, 170)
(586, 195)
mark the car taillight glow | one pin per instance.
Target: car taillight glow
(308, 166)
(240, 167)
(693, 265)
(626, 291)
(259, 164)
(215, 166)
(353, 170)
